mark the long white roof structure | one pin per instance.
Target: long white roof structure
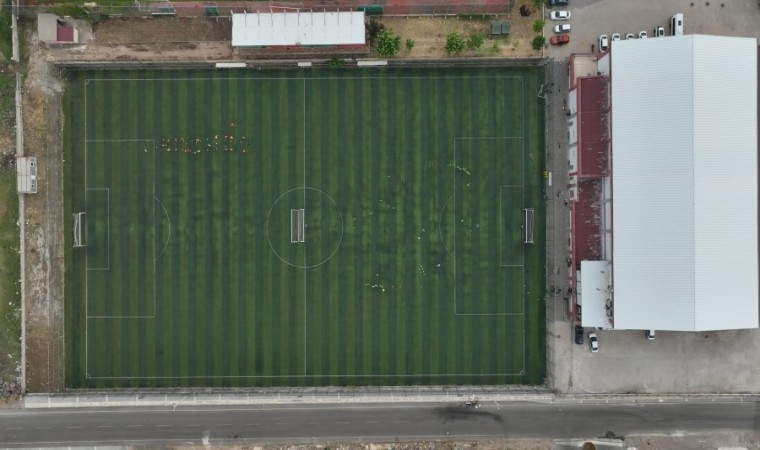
(298, 29)
(684, 177)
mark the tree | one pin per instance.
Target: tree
(475, 41)
(525, 11)
(538, 42)
(373, 29)
(454, 43)
(538, 3)
(387, 43)
(538, 25)
(409, 45)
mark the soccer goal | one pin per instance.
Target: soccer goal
(297, 226)
(528, 213)
(78, 242)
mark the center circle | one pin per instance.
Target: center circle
(320, 233)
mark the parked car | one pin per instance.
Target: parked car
(642, 34)
(659, 32)
(604, 43)
(558, 2)
(629, 36)
(579, 334)
(650, 335)
(564, 28)
(559, 39)
(615, 37)
(676, 25)
(593, 342)
(560, 15)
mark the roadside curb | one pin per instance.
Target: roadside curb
(350, 397)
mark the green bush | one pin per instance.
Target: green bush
(538, 42)
(409, 45)
(373, 29)
(454, 43)
(475, 41)
(71, 10)
(538, 25)
(335, 63)
(538, 3)
(387, 43)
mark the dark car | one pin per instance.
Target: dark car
(579, 335)
(558, 2)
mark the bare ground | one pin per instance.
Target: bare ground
(44, 224)
(429, 35)
(202, 39)
(167, 29)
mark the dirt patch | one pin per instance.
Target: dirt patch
(167, 29)
(429, 34)
(162, 51)
(44, 224)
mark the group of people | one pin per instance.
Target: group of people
(197, 145)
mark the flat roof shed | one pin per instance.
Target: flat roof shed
(308, 29)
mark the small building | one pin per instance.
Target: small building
(51, 29)
(298, 29)
(26, 175)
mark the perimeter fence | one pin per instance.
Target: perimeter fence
(96, 11)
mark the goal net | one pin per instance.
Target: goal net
(528, 213)
(78, 242)
(297, 226)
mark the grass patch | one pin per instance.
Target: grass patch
(6, 34)
(10, 300)
(479, 18)
(7, 99)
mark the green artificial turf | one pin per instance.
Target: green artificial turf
(413, 269)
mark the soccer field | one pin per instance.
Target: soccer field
(304, 227)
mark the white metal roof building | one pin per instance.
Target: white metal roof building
(298, 29)
(685, 179)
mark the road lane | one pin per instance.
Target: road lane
(331, 423)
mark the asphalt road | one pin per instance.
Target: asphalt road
(336, 423)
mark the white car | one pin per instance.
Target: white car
(629, 36)
(615, 37)
(564, 28)
(604, 43)
(642, 34)
(593, 342)
(560, 15)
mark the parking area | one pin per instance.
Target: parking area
(591, 18)
(714, 362)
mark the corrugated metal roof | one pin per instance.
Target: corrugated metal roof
(298, 28)
(594, 283)
(684, 171)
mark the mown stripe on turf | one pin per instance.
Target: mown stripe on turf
(425, 137)
(318, 348)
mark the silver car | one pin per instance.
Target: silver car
(564, 28)
(604, 43)
(593, 342)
